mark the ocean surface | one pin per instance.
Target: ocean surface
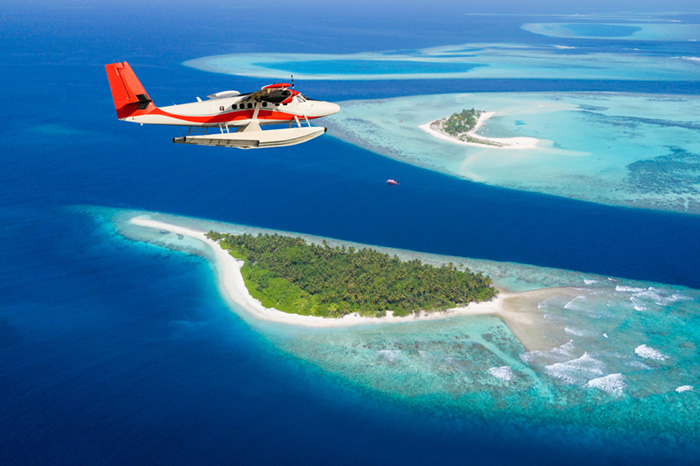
(117, 351)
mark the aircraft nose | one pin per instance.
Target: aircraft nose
(325, 108)
(332, 108)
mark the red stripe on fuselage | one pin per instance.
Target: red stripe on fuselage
(233, 116)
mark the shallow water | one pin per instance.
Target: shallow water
(630, 347)
(620, 149)
(493, 60)
(623, 31)
(121, 352)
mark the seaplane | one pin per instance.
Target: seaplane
(238, 117)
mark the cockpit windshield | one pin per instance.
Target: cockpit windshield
(275, 96)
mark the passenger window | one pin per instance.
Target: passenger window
(234, 106)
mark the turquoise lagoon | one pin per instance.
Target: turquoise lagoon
(618, 149)
(621, 31)
(372, 67)
(117, 351)
(462, 61)
(601, 353)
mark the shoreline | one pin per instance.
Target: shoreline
(518, 310)
(488, 143)
(233, 287)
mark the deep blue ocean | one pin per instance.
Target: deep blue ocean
(114, 352)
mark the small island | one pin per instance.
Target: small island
(293, 276)
(462, 126)
(459, 123)
(520, 311)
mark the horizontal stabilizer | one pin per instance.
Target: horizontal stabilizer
(255, 139)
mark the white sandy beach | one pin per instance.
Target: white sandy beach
(518, 311)
(489, 143)
(233, 288)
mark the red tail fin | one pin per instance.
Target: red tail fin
(130, 98)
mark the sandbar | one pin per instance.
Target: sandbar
(486, 142)
(518, 310)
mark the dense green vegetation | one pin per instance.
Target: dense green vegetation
(462, 122)
(316, 279)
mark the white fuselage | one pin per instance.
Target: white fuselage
(236, 111)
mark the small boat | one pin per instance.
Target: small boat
(394, 182)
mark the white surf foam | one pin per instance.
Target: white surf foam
(576, 370)
(638, 306)
(655, 295)
(613, 384)
(543, 357)
(652, 295)
(648, 352)
(504, 373)
(628, 289)
(574, 331)
(574, 303)
(684, 388)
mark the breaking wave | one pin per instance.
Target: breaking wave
(543, 357)
(504, 373)
(574, 303)
(613, 384)
(643, 296)
(648, 352)
(638, 306)
(575, 332)
(576, 370)
(629, 289)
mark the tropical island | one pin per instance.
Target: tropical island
(461, 128)
(460, 123)
(293, 276)
(520, 311)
